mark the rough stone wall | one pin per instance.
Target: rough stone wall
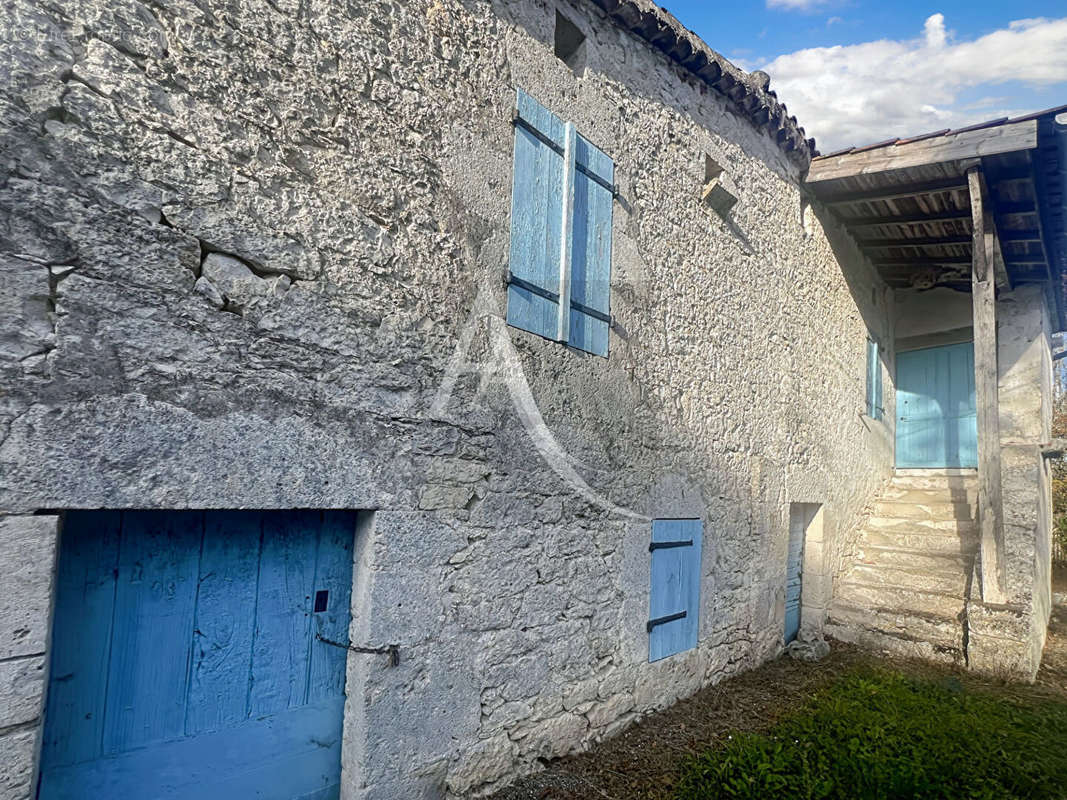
(27, 553)
(252, 257)
(1009, 639)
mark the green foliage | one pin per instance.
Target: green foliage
(877, 735)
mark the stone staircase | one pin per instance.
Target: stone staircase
(907, 591)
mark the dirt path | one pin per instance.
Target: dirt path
(645, 761)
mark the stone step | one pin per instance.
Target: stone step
(944, 582)
(926, 627)
(902, 646)
(905, 494)
(939, 472)
(943, 527)
(862, 595)
(907, 538)
(920, 559)
(939, 483)
(903, 509)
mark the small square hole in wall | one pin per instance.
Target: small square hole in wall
(718, 193)
(570, 43)
(712, 169)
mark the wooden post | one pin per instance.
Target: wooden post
(983, 297)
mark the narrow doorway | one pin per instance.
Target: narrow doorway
(801, 516)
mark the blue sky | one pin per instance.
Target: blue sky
(857, 71)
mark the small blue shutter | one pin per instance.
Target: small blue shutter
(874, 381)
(591, 253)
(674, 599)
(536, 218)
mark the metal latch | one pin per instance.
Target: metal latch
(393, 651)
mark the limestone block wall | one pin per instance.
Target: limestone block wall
(252, 256)
(27, 553)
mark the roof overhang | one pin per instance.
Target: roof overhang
(907, 204)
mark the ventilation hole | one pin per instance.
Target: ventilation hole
(570, 43)
(322, 598)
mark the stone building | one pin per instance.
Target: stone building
(309, 480)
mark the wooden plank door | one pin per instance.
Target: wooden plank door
(794, 570)
(936, 419)
(186, 659)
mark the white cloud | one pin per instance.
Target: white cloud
(796, 5)
(859, 94)
(834, 21)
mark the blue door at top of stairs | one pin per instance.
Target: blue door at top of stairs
(187, 660)
(936, 420)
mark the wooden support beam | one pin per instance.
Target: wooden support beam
(896, 192)
(917, 241)
(983, 297)
(952, 147)
(860, 223)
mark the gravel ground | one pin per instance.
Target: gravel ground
(645, 761)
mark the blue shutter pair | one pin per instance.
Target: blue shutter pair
(674, 600)
(874, 381)
(561, 209)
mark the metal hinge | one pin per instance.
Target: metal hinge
(664, 545)
(518, 121)
(511, 279)
(393, 651)
(652, 623)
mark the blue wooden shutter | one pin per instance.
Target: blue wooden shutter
(674, 599)
(591, 254)
(536, 219)
(874, 381)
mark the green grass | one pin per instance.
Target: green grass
(878, 735)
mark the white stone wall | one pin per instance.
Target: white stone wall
(1010, 639)
(27, 553)
(252, 257)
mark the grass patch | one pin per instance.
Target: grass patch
(876, 734)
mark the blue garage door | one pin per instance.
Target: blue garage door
(936, 421)
(187, 660)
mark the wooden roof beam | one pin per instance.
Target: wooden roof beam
(927, 261)
(990, 141)
(918, 241)
(907, 219)
(897, 192)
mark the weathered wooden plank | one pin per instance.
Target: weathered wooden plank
(81, 643)
(927, 261)
(155, 598)
(225, 621)
(916, 241)
(332, 610)
(983, 296)
(591, 262)
(968, 144)
(897, 191)
(283, 617)
(908, 219)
